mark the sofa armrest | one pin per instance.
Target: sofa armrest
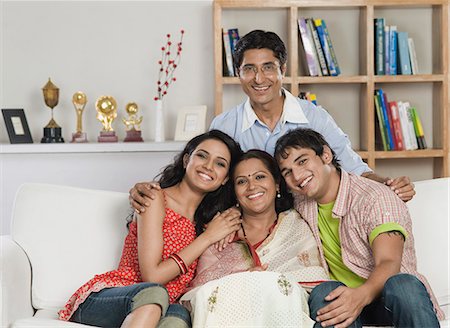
(15, 283)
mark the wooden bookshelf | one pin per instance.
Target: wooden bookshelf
(357, 77)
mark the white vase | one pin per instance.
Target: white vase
(159, 122)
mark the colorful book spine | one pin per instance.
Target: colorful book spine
(318, 47)
(393, 50)
(412, 132)
(233, 34)
(397, 128)
(325, 47)
(403, 53)
(418, 129)
(308, 46)
(387, 50)
(402, 113)
(413, 56)
(380, 121)
(330, 45)
(383, 103)
(228, 56)
(379, 46)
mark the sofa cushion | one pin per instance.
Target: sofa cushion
(430, 213)
(69, 235)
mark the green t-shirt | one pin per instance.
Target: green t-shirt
(331, 244)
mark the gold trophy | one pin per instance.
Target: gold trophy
(52, 131)
(106, 107)
(79, 100)
(132, 123)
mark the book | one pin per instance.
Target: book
(379, 46)
(413, 56)
(233, 34)
(318, 47)
(308, 47)
(418, 129)
(312, 97)
(383, 103)
(396, 126)
(325, 47)
(403, 53)
(228, 57)
(411, 131)
(403, 116)
(330, 45)
(386, 49)
(393, 50)
(380, 122)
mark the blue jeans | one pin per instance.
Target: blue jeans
(110, 306)
(404, 302)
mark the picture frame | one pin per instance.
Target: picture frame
(191, 121)
(17, 126)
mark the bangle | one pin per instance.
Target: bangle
(179, 261)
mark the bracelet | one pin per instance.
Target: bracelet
(179, 261)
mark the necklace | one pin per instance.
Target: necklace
(268, 234)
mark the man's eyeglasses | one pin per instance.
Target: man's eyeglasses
(250, 71)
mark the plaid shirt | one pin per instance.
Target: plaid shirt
(362, 205)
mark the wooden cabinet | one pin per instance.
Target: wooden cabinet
(349, 96)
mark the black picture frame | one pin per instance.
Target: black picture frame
(17, 126)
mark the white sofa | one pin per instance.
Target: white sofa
(61, 236)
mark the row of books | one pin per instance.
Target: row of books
(394, 50)
(399, 125)
(229, 40)
(319, 52)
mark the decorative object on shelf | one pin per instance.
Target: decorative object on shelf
(106, 107)
(17, 126)
(191, 122)
(52, 131)
(132, 123)
(165, 79)
(79, 100)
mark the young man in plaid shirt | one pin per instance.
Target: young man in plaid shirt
(365, 240)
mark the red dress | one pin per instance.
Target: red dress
(178, 232)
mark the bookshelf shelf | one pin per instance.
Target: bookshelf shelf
(349, 96)
(424, 153)
(331, 79)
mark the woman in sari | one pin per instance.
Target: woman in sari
(260, 279)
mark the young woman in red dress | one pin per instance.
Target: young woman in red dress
(161, 249)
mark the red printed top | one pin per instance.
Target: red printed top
(178, 232)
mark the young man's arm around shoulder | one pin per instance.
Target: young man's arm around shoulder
(347, 303)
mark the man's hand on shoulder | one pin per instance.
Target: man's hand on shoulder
(140, 192)
(402, 186)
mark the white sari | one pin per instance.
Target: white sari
(274, 298)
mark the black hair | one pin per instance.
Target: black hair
(215, 201)
(258, 39)
(303, 138)
(283, 203)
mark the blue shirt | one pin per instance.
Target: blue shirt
(245, 127)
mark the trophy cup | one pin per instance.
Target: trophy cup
(106, 107)
(79, 100)
(132, 123)
(52, 131)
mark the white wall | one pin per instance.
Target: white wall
(100, 48)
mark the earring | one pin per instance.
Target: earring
(237, 205)
(278, 194)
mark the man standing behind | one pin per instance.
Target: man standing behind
(271, 111)
(365, 240)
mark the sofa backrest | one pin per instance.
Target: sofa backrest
(430, 212)
(69, 235)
